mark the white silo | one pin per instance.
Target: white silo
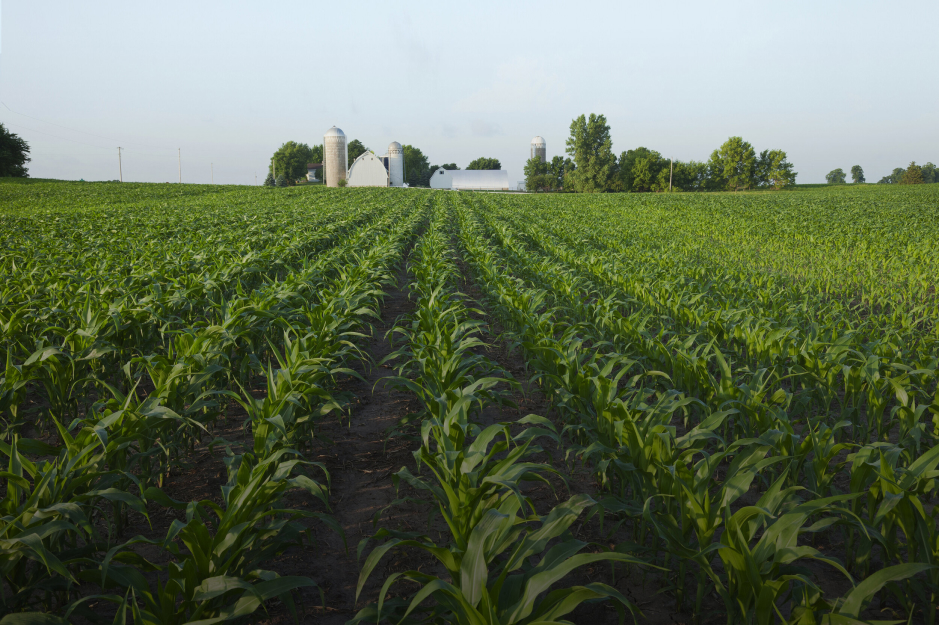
(396, 164)
(335, 156)
(539, 149)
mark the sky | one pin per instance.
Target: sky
(220, 86)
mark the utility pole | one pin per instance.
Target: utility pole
(180, 157)
(670, 170)
(120, 168)
(212, 165)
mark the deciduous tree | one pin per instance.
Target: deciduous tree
(639, 169)
(836, 176)
(894, 177)
(857, 174)
(591, 149)
(930, 174)
(290, 160)
(485, 163)
(416, 166)
(773, 170)
(733, 165)
(537, 178)
(14, 154)
(356, 149)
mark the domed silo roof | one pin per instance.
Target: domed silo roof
(538, 141)
(394, 145)
(335, 132)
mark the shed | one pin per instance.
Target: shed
(470, 179)
(314, 171)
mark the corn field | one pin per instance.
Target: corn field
(738, 404)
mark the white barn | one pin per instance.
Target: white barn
(368, 171)
(470, 179)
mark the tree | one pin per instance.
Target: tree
(639, 169)
(893, 178)
(281, 181)
(591, 149)
(416, 166)
(836, 176)
(558, 169)
(316, 153)
(773, 170)
(291, 160)
(269, 181)
(913, 175)
(690, 176)
(930, 174)
(356, 149)
(537, 177)
(857, 174)
(485, 163)
(14, 154)
(733, 165)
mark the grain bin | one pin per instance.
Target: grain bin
(396, 164)
(335, 156)
(539, 149)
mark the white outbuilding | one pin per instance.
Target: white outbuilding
(470, 179)
(368, 170)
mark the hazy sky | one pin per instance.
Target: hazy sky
(833, 83)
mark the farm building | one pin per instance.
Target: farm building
(313, 171)
(370, 170)
(470, 179)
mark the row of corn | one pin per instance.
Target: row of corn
(474, 475)
(69, 503)
(723, 511)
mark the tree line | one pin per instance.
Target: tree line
(913, 174)
(592, 166)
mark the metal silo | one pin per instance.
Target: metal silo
(396, 164)
(335, 156)
(539, 149)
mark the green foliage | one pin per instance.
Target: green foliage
(591, 149)
(930, 174)
(290, 160)
(894, 177)
(749, 379)
(836, 176)
(316, 153)
(913, 174)
(640, 170)
(356, 149)
(485, 163)
(416, 167)
(773, 170)
(14, 154)
(733, 166)
(281, 181)
(269, 181)
(857, 174)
